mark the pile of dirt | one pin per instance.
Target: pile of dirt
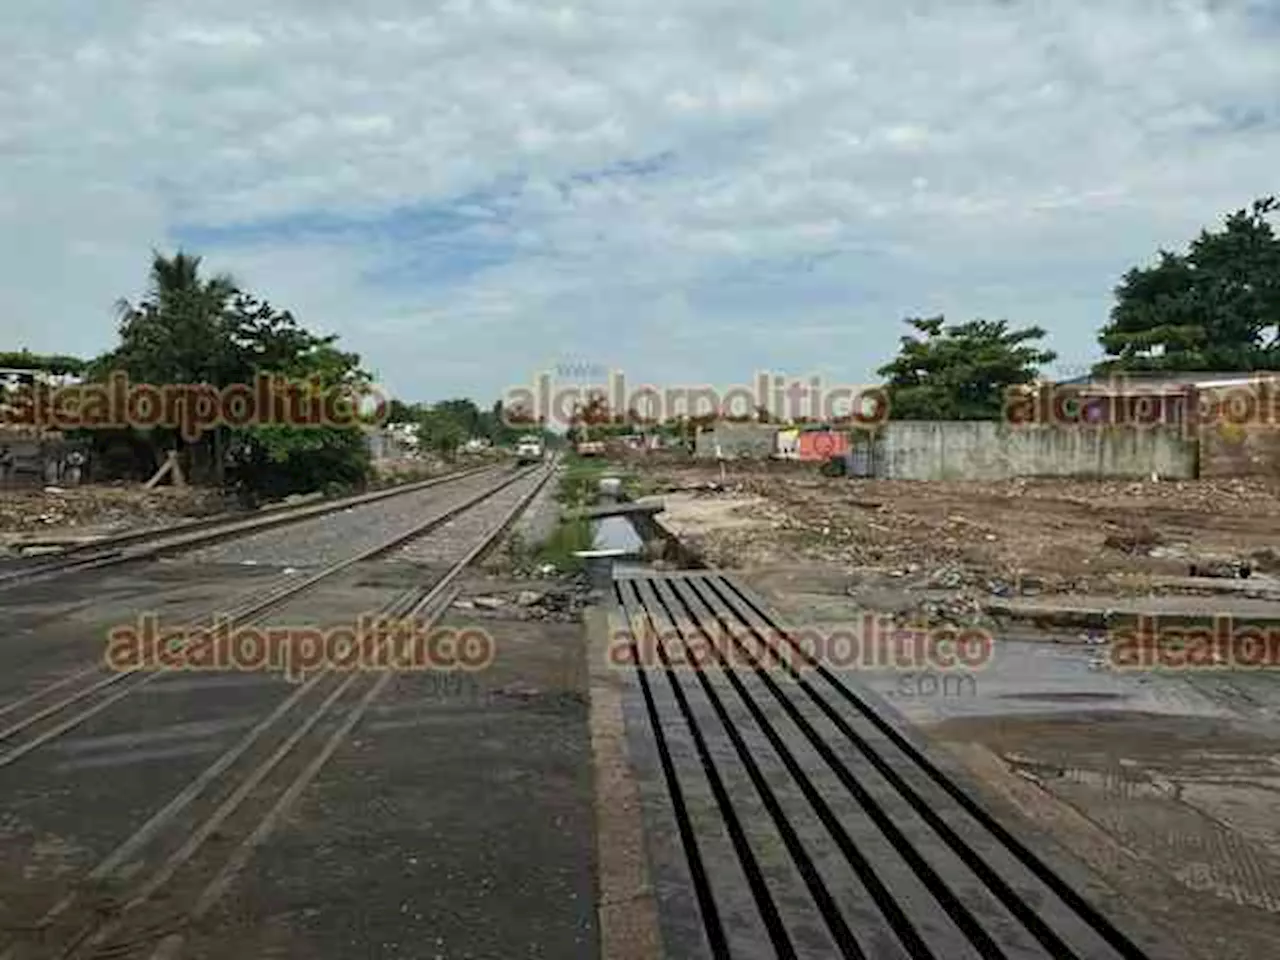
(103, 508)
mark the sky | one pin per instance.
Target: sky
(474, 192)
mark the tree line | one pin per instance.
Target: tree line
(192, 329)
(1214, 307)
(443, 427)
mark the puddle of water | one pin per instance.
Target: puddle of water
(616, 533)
(1041, 678)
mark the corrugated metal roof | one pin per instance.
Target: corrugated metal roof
(1168, 381)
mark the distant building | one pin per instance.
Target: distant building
(787, 444)
(15, 383)
(730, 441)
(396, 441)
(1144, 398)
(1233, 416)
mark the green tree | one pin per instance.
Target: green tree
(280, 459)
(191, 330)
(400, 412)
(49, 363)
(178, 333)
(441, 431)
(1216, 307)
(464, 414)
(960, 371)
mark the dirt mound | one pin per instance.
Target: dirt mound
(103, 508)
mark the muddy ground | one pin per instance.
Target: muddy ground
(1165, 784)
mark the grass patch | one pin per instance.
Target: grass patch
(635, 486)
(580, 480)
(582, 475)
(577, 488)
(568, 537)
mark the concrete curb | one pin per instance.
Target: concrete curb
(1126, 611)
(627, 910)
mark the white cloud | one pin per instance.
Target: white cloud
(619, 178)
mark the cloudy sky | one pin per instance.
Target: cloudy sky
(472, 191)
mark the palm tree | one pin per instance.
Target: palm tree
(179, 333)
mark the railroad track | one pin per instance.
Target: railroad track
(807, 823)
(174, 868)
(148, 544)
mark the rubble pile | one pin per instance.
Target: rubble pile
(999, 538)
(563, 603)
(104, 509)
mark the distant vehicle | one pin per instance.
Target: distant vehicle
(529, 449)
(591, 448)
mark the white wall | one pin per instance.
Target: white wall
(988, 450)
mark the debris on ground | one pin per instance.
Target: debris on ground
(1137, 540)
(1003, 538)
(105, 509)
(563, 601)
(1221, 569)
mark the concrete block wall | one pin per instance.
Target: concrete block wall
(753, 440)
(1233, 450)
(986, 450)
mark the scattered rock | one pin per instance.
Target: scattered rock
(1266, 560)
(518, 691)
(1221, 569)
(489, 603)
(946, 578)
(654, 550)
(106, 507)
(1136, 540)
(1030, 586)
(527, 598)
